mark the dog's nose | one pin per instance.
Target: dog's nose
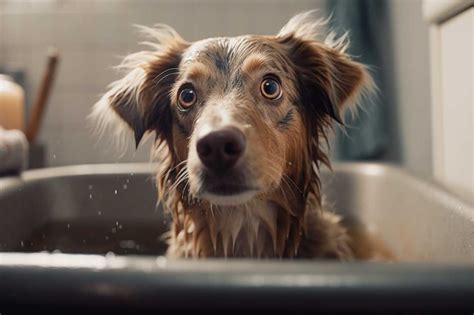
(221, 149)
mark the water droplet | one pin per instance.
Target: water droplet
(68, 225)
(115, 191)
(22, 244)
(114, 230)
(125, 186)
(83, 241)
(116, 223)
(128, 181)
(110, 255)
(161, 261)
(106, 238)
(120, 226)
(54, 156)
(90, 196)
(99, 212)
(90, 187)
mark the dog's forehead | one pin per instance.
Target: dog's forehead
(223, 52)
(197, 49)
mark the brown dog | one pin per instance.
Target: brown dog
(240, 123)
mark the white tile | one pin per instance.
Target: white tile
(75, 31)
(152, 12)
(16, 6)
(75, 71)
(16, 29)
(15, 57)
(271, 18)
(70, 108)
(80, 146)
(52, 137)
(76, 108)
(44, 6)
(42, 30)
(53, 113)
(37, 60)
(104, 63)
(75, 6)
(202, 20)
(241, 19)
(78, 149)
(112, 30)
(111, 6)
(2, 34)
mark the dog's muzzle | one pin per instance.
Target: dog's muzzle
(220, 150)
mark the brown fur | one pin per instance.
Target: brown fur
(286, 217)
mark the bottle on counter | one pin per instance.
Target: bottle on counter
(12, 98)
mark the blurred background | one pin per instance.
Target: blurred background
(92, 36)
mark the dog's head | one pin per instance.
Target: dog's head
(239, 117)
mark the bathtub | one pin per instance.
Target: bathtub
(90, 237)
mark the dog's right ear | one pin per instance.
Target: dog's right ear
(141, 97)
(330, 79)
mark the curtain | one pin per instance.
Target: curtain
(365, 136)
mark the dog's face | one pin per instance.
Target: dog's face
(237, 122)
(241, 115)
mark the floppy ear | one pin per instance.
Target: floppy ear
(141, 98)
(329, 80)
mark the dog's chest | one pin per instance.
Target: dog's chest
(245, 231)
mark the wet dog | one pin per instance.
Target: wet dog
(241, 125)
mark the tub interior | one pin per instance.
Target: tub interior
(97, 209)
(86, 213)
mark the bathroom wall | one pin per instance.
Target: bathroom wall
(92, 35)
(408, 99)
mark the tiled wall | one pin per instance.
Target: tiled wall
(90, 36)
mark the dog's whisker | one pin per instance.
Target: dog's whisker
(269, 164)
(180, 178)
(179, 181)
(168, 173)
(165, 76)
(291, 181)
(179, 164)
(157, 77)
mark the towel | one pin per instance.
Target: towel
(366, 135)
(13, 151)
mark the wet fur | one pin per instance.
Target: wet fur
(287, 218)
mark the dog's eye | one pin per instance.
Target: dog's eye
(270, 88)
(187, 97)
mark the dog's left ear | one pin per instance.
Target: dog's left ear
(141, 99)
(329, 79)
